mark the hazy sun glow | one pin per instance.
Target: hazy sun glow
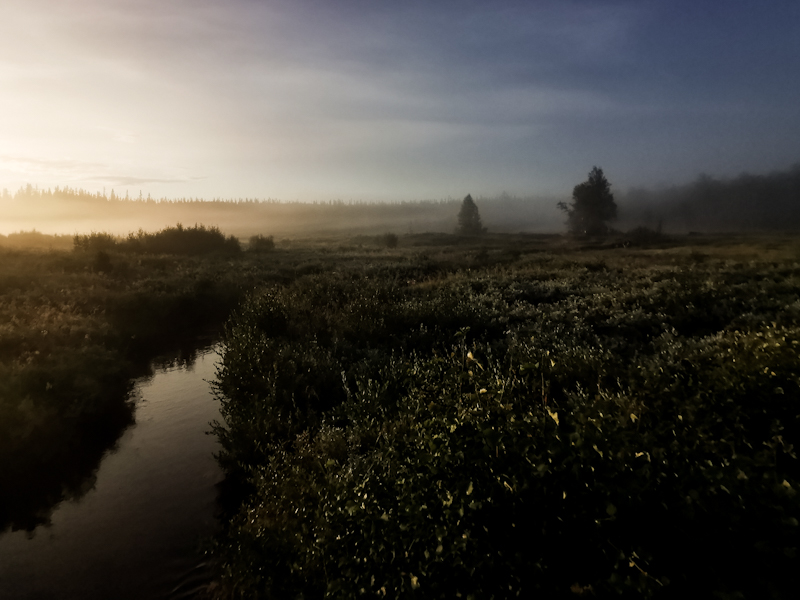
(312, 100)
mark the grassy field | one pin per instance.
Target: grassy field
(76, 325)
(495, 416)
(75, 328)
(516, 415)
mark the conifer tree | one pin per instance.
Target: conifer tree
(469, 220)
(592, 205)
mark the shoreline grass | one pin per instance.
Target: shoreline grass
(508, 417)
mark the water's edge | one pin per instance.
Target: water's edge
(135, 533)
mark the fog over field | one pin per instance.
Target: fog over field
(369, 102)
(747, 203)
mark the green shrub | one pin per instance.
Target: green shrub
(593, 431)
(260, 243)
(195, 240)
(459, 475)
(94, 242)
(389, 240)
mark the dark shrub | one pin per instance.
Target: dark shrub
(260, 243)
(389, 240)
(183, 240)
(102, 262)
(94, 242)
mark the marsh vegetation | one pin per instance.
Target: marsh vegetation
(75, 328)
(516, 416)
(434, 415)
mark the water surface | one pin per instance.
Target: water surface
(134, 535)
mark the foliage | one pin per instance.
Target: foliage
(644, 235)
(94, 242)
(469, 220)
(75, 327)
(36, 240)
(261, 243)
(592, 205)
(197, 240)
(747, 202)
(615, 423)
(183, 240)
(389, 240)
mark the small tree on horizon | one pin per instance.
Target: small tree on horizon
(469, 220)
(592, 205)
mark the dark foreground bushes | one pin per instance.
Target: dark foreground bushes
(591, 433)
(72, 335)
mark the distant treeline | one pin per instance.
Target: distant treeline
(33, 193)
(67, 209)
(745, 203)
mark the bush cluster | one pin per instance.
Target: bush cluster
(195, 240)
(73, 332)
(551, 428)
(260, 243)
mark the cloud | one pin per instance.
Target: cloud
(123, 180)
(66, 170)
(327, 98)
(38, 166)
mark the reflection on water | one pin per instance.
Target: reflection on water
(60, 466)
(134, 534)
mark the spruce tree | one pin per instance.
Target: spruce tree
(469, 220)
(592, 205)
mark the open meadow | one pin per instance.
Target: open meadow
(435, 415)
(509, 416)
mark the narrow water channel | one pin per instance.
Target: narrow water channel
(135, 534)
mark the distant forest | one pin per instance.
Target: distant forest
(742, 204)
(746, 203)
(67, 210)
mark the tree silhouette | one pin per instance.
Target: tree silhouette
(592, 205)
(469, 221)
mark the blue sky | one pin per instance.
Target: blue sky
(313, 99)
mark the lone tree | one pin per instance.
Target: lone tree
(469, 221)
(592, 205)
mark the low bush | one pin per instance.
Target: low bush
(550, 429)
(389, 240)
(457, 475)
(75, 327)
(260, 243)
(35, 240)
(94, 242)
(183, 240)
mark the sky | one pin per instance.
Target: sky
(371, 100)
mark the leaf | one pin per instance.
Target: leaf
(553, 415)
